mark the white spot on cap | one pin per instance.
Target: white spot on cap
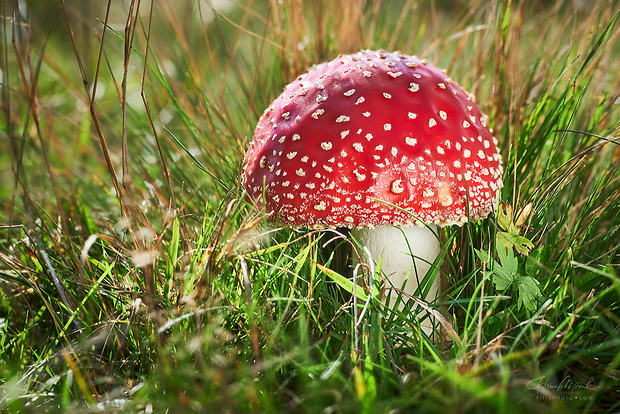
(342, 118)
(442, 85)
(367, 74)
(466, 153)
(321, 98)
(369, 136)
(317, 113)
(432, 122)
(457, 164)
(300, 172)
(366, 114)
(395, 74)
(481, 154)
(360, 100)
(445, 199)
(344, 133)
(411, 141)
(411, 115)
(387, 95)
(387, 127)
(414, 87)
(397, 186)
(358, 147)
(326, 145)
(466, 124)
(360, 176)
(349, 92)
(443, 115)
(321, 206)
(440, 150)
(295, 137)
(291, 155)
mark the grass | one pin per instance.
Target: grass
(135, 277)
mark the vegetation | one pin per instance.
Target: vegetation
(135, 276)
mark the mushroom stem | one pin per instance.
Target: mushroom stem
(406, 254)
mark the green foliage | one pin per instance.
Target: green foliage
(509, 235)
(507, 277)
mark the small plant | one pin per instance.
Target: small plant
(507, 277)
(507, 273)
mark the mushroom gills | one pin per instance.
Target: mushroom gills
(406, 255)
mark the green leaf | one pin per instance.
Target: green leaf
(507, 259)
(483, 256)
(502, 279)
(520, 243)
(504, 216)
(529, 292)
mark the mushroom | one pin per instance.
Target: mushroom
(383, 143)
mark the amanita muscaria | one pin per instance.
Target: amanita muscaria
(353, 137)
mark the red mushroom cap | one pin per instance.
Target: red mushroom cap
(373, 126)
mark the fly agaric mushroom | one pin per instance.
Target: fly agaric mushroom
(384, 144)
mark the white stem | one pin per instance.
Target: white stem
(406, 255)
